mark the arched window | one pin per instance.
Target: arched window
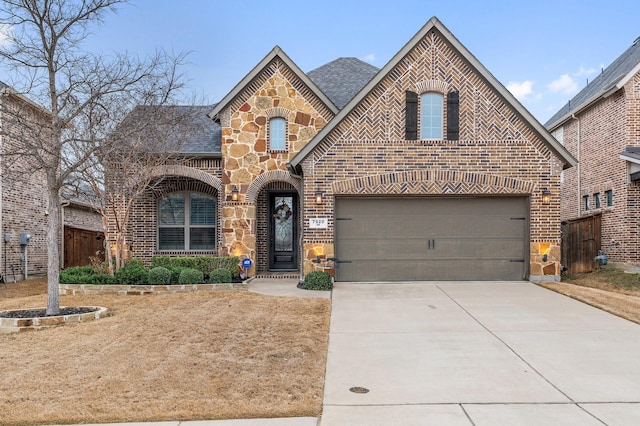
(187, 221)
(431, 115)
(277, 134)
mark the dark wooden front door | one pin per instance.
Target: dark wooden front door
(283, 231)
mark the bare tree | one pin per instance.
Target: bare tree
(149, 139)
(86, 96)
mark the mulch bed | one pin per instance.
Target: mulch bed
(39, 313)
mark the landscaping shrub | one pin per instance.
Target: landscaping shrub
(220, 275)
(133, 273)
(204, 264)
(175, 273)
(101, 279)
(160, 275)
(75, 275)
(191, 276)
(318, 280)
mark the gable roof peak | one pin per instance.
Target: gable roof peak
(434, 24)
(276, 52)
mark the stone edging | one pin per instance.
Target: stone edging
(12, 325)
(87, 289)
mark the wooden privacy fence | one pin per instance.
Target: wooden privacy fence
(581, 239)
(79, 244)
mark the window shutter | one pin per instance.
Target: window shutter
(453, 116)
(411, 119)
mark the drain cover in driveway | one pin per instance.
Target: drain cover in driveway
(358, 389)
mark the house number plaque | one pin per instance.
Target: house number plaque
(318, 223)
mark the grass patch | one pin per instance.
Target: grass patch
(187, 356)
(611, 290)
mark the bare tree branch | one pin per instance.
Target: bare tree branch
(70, 103)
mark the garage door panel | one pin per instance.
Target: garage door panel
(432, 238)
(447, 270)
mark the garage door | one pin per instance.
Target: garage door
(434, 238)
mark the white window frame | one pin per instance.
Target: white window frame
(431, 116)
(283, 129)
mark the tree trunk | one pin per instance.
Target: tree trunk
(53, 253)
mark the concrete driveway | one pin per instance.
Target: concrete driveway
(477, 353)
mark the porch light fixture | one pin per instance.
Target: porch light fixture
(234, 193)
(318, 197)
(546, 196)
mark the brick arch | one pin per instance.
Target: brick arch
(432, 85)
(188, 172)
(278, 112)
(434, 182)
(268, 177)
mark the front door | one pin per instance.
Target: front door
(283, 247)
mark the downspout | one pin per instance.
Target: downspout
(300, 222)
(578, 152)
(62, 206)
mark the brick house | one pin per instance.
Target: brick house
(23, 199)
(600, 126)
(426, 169)
(22, 196)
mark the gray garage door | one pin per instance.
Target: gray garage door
(431, 238)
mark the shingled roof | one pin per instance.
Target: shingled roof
(188, 126)
(612, 78)
(343, 78)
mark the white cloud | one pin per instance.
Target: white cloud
(564, 84)
(5, 36)
(582, 71)
(371, 58)
(521, 90)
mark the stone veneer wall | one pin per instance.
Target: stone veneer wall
(497, 154)
(249, 164)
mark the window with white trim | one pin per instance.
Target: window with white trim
(187, 221)
(277, 134)
(431, 108)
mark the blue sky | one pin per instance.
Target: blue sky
(543, 51)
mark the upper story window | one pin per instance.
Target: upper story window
(430, 107)
(187, 221)
(586, 203)
(609, 196)
(596, 200)
(431, 116)
(277, 134)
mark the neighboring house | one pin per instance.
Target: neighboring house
(23, 199)
(22, 196)
(600, 126)
(427, 169)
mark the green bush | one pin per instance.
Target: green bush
(191, 276)
(220, 275)
(76, 275)
(204, 264)
(160, 275)
(318, 280)
(133, 273)
(175, 273)
(101, 279)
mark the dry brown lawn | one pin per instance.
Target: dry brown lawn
(611, 290)
(192, 356)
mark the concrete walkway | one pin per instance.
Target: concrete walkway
(477, 353)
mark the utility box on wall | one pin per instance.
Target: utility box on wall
(24, 239)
